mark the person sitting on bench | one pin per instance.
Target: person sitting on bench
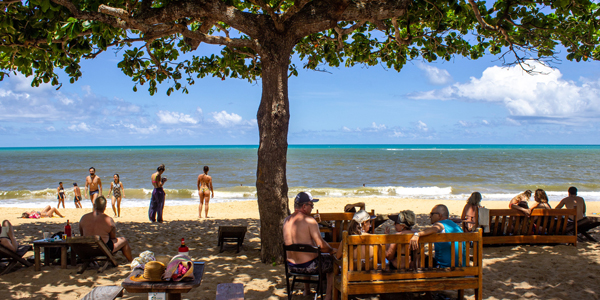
(7, 237)
(574, 201)
(301, 228)
(403, 223)
(441, 224)
(98, 223)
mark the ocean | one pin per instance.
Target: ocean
(447, 172)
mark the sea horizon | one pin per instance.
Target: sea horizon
(420, 171)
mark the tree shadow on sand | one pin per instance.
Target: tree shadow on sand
(510, 272)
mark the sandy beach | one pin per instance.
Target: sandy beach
(510, 272)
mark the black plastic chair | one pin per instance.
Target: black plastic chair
(319, 275)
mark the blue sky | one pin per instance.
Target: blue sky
(462, 101)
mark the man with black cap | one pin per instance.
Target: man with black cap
(301, 228)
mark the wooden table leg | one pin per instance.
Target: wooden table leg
(63, 257)
(73, 258)
(36, 254)
(173, 296)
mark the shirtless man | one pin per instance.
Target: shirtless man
(301, 228)
(572, 201)
(95, 185)
(98, 223)
(77, 195)
(205, 188)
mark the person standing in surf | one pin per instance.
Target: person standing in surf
(118, 192)
(205, 188)
(93, 184)
(76, 195)
(157, 202)
(61, 195)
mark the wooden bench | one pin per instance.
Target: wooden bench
(340, 222)
(373, 275)
(544, 226)
(586, 225)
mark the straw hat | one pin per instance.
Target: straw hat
(153, 271)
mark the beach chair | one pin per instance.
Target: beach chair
(586, 224)
(14, 258)
(91, 249)
(231, 234)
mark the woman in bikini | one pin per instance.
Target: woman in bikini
(469, 212)
(118, 191)
(205, 188)
(541, 202)
(7, 237)
(61, 195)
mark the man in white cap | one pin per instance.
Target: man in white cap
(301, 228)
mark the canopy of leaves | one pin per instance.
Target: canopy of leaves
(39, 36)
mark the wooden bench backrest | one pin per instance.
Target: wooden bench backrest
(546, 225)
(373, 265)
(546, 221)
(341, 222)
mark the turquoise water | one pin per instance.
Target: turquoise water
(31, 175)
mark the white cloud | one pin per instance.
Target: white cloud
(398, 134)
(376, 127)
(422, 126)
(435, 75)
(524, 95)
(346, 129)
(141, 130)
(167, 117)
(199, 110)
(485, 122)
(227, 120)
(50, 128)
(80, 127)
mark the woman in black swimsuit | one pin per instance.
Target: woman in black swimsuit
(61, 195)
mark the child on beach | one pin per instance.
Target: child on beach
(77, 195)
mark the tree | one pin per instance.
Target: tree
(259, 37)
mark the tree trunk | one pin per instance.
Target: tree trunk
(273, 120)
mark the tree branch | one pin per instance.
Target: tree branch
(271, 12)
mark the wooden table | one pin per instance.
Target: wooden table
(54, 244)
(173, 289)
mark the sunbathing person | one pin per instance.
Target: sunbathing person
(98, 223)
(469, 212)
(7, 237)
(47, 212)
(403, 223)
(359, 225)
(519, 202)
